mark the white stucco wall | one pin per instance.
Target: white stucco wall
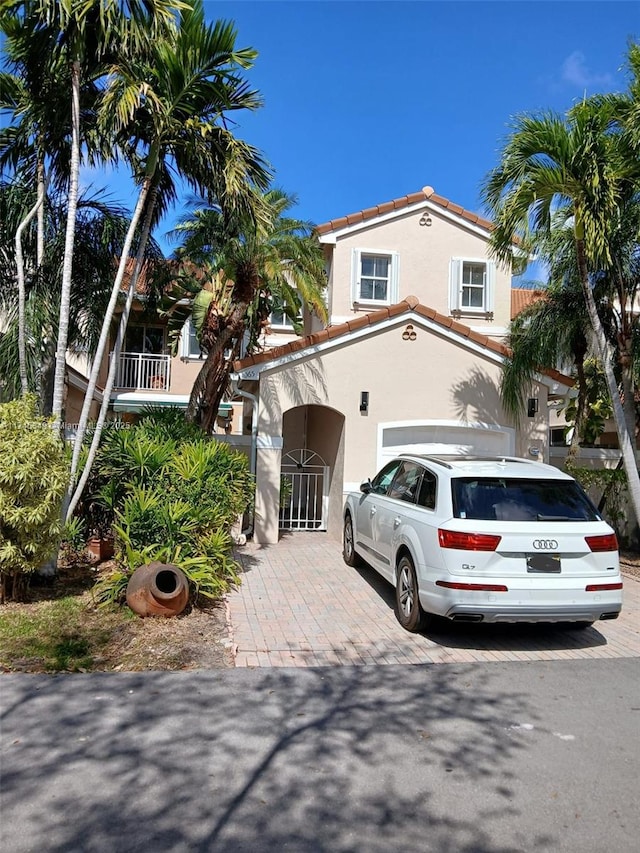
(429, 379)
(425, 252)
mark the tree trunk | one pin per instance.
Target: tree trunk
(42, 188)
(67, 267)
(210, 384)
(22, 329)
(47, 374)
(122, 328)
(606, 356)
(581, 406)
(106, 328)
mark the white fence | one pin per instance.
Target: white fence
(143, 372)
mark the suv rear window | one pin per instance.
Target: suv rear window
(501, 499)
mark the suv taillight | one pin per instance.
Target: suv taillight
(607, 542)
(468, 541)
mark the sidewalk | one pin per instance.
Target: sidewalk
(300, 605)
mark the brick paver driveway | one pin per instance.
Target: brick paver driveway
(300, 605)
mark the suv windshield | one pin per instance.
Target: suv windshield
(502, 499)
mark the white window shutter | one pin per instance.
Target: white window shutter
(490, 289)
(394, 279)
(184, 339)
(454, 284)
(355, 275)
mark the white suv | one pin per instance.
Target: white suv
(476, 539)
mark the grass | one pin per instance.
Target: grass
(61, 629)
(63, 635)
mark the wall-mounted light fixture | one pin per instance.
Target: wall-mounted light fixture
(364, 401)
(532, 407)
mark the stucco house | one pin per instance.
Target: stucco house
(411, 358)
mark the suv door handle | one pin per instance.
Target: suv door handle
(373, 511)
(396, 522)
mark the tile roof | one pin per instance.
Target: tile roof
(521, 299)
(425, 194)
(409, 305)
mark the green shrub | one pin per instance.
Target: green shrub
(210, 573)
(173, 496)
(33, 477)
(74, 535)
(611, 483)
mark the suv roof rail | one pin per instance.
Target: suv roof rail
(445, 459)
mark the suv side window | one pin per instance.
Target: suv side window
(428, 489)
(406, 482)
(382, 480)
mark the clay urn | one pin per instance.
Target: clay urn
(158, 589)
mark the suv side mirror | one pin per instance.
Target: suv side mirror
(366, 487)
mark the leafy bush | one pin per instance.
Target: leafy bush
(173, 496)
(74, 535)
(611, 483)
(210, 573)
(33, 479)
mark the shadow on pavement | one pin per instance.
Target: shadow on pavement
(346, 759)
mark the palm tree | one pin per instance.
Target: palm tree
(83, 34)
(547, 333)
(101, 231)
(168, 108)
(583, 164)
(31, 100)
(250, 262)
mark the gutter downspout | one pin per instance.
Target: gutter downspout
(248, 531)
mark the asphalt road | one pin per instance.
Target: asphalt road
(523, 756)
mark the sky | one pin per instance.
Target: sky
(368, 101)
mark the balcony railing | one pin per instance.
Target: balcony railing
(139, 371)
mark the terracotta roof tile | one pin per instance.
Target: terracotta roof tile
(410, 304)
(399, 204)
(521, 299)
(358, 323)
(335, 331)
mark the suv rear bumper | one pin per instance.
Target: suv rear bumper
(577, 613)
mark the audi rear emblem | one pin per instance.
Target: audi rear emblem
(545, 544)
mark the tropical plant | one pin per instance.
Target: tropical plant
(581, 164)
(83, 36)
(548, 333)
(596, 405)
(101, 230)
(168, 496)
(33, 474)
(248, 262)
(210, 574)
(167, 108)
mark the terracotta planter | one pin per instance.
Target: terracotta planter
(158, 589)
(100, 548)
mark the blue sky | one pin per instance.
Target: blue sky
(367, 101)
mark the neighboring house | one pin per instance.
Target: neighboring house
(411, 359)
(147, 374)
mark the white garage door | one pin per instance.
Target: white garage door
(443, 437)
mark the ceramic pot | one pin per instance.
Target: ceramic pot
(100, 548)
(158, 589)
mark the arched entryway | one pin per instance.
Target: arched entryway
(312, 469)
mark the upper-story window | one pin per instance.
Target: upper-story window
(471, 286)
(279, 319)
(190, 343)
(374, 277)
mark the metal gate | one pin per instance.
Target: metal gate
(304, 491)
